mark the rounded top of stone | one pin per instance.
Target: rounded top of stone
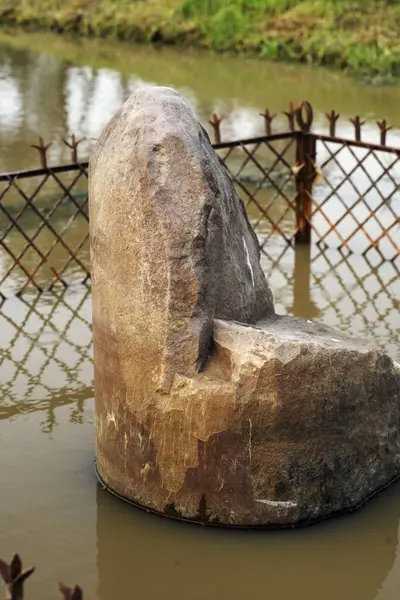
(161, 102)
(155, 113)
(154, 93)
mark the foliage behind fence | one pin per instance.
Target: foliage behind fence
(298, 186)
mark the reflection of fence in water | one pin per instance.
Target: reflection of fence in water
(46, 341)
(46, 349)
(344, 290)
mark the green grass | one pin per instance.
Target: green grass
(361, 37)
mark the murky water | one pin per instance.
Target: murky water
(53, 87)
(52, 511)
(56, 516)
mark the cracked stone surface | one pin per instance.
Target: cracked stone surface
(209, 406)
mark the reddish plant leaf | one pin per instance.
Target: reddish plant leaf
(65, 591)
(4, 571)
(77, 593)
(15, 567)
(25, 574)
(70, 593)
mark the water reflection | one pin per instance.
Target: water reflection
(48, 498)
(46, 349)
(74, 531)
(154, 558)
(343, 290)
(303, 304)
(54, 87)
(46, 339)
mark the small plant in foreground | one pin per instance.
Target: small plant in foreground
(14, 577)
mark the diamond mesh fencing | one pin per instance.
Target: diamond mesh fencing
(46, 350)
(298, 187)
(43, 229)
(356, 205)
(263, 171)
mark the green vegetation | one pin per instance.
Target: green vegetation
(361, 36)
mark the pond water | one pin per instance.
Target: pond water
(52, 510)
(54, 87)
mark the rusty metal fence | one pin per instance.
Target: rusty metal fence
(340, 191)
(43, 227)
(299, 188)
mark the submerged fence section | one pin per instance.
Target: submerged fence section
(299, 188)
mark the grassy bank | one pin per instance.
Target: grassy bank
(361, 36)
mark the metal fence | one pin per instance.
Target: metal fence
(299, 187)
(341, 191)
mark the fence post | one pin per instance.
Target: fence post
(304, 174)
(215, 122)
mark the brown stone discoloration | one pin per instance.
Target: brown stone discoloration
(209, 406)
(187, 415)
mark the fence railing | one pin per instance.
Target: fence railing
(299, 187)
(341, 191)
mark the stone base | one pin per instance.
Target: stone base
(289, 423)
(176, 517)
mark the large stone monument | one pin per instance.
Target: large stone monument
(209, 406)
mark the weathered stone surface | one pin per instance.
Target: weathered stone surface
(171, 242)
(322, 414)
(208, 405)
